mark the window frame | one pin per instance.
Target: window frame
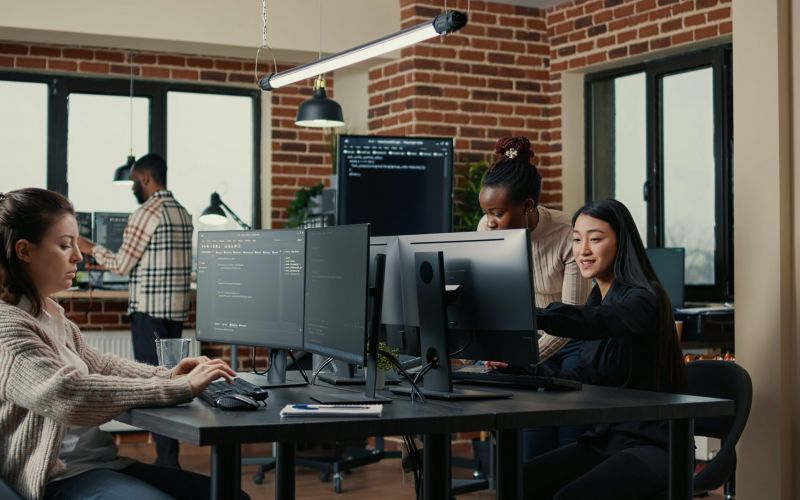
(59, 88)
(719, 59)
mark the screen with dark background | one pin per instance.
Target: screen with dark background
(400, 185)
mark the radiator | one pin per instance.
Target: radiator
(119, 342)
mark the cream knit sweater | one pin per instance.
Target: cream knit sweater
(40, 397)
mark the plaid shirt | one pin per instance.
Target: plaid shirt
(156, 252)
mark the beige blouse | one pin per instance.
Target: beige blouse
(556, 277)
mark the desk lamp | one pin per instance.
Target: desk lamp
(216, 216)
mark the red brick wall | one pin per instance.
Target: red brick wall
(300, 156)
(587, 33)
(501, 74)
(484, 82)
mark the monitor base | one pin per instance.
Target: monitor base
(454, 395)
(357, 380)
(262, 381)
(349, 398)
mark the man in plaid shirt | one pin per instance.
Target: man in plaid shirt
(156, 253)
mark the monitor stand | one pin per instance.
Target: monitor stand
(371, 369)
(433, 337)
(346, 374)
(277, 375)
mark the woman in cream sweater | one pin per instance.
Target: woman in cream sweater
(509, 199)
(54, 389)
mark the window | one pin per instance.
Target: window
(69, 134)
(659, 140)
(210, 144)
(97, 142)
(23, 135)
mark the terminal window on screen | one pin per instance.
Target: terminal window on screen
(250, 288)
(399, 186)
(336, 289)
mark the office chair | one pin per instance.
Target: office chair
(7, 492)
(727, 380)
(720, 379)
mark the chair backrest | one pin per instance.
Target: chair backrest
(720, 379)
(7, 492)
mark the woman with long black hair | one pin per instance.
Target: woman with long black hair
(630, 342)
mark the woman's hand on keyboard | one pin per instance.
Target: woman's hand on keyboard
(207, 372)
(496, 365)
(186, 365)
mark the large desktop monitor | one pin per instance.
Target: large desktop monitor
(668, 263)
(342, 307)
(491, 315)
(250, 288)
(84, 229)
(337, 288)
(250, 291)
(108, 230)
(487, 305)
(399, 185)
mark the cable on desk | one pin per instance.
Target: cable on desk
(294, 361)
(464, 347)
(321, 367)
(253, 361)
(402, 371)
(412, 463)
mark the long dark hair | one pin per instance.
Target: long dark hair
(25, 214)
(513, 169)
(633, 268)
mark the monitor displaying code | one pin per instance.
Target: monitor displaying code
(250, 287)
(399, 185)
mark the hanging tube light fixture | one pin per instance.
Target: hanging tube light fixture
(442, 24)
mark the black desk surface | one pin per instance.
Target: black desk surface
(200, 424)
(596, 405)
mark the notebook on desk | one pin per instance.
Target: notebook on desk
(321, 410)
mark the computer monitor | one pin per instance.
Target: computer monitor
(399, 185)
(250, 291)
(84, 229)
(392, 327)
(108, 230)
(337, 272)
(668, 263)
(336, 317)
(489, 311)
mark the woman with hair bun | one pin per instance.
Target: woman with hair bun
(509, 199)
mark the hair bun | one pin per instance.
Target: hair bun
(513, 148)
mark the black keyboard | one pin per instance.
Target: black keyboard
(478, 374)
(216, 392)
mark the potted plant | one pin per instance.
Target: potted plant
(302, 204)
(384, 365)
(470, 212)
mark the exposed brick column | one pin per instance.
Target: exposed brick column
(484, 82)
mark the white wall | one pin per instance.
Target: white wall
(208, 27)
(766, 300)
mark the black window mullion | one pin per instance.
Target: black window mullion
(719, 59)
(57, 138)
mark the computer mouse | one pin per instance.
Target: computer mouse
(237, 402)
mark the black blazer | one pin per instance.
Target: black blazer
(621, 334)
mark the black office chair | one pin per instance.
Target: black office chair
(7, 492)
(727, 380)
(720, 379)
